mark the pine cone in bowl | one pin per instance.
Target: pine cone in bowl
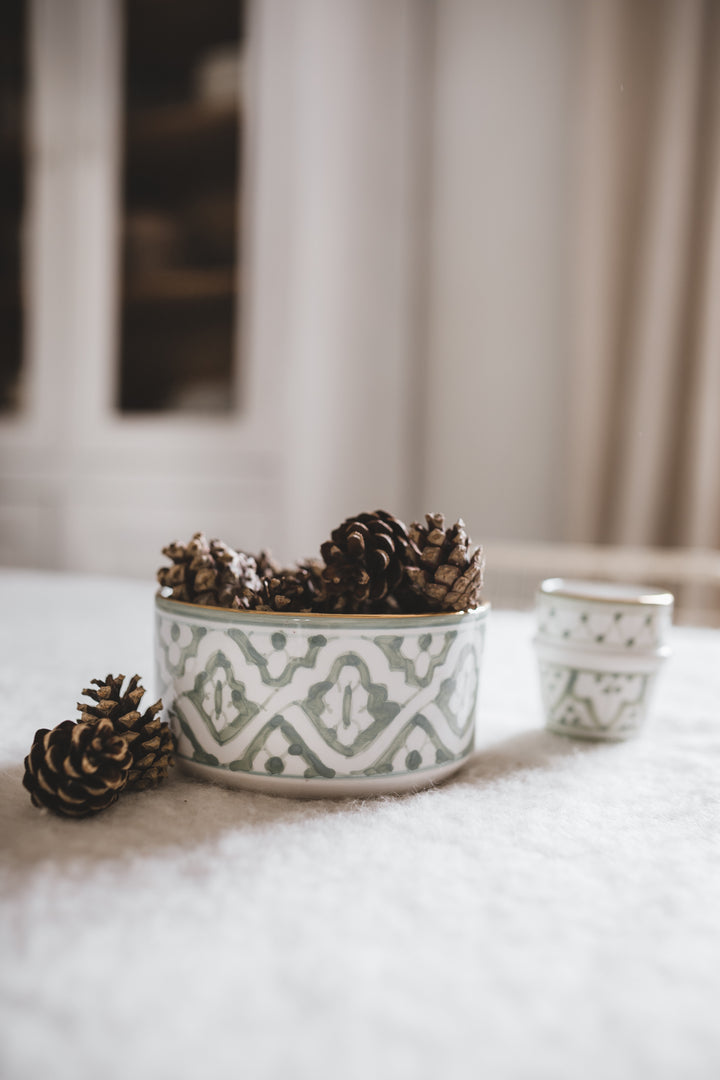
(209, 572)
(365, 560)
(447, 574)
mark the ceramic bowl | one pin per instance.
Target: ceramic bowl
(319, 705)
(600, 647)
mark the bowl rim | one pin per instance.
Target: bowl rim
(618, 593)
(310, 618)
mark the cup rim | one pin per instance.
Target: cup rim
(606, 592)
(309, 618)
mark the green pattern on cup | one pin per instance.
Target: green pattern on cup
(595, 704)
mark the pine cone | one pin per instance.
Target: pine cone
(209, 573)
(149, 739)
(292, 590)
(365, 559)
(267, 566)
(77, 769)
(448, 576)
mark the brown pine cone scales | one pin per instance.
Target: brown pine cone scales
(267, 566)
(77, 769)
(447, 575)
(372, 564)
(149, 740)
(209, 572)
(298, 590)
(365, 559)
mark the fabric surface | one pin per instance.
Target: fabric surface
(553, 912)
(643, 448)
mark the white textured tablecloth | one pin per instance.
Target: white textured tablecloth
(554, 912)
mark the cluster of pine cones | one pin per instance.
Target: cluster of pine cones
(372, 564)
(78, 769)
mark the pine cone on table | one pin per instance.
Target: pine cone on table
(365, 560)
(448, 576)
(209, 572)
(77, 769)
(149, 739)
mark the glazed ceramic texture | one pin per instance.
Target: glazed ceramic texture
(592, 701)
(600, 647)
(319, 705)
(604, 622)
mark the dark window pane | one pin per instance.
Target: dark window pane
(182, 154)
(13, 29)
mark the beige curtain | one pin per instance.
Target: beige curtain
(644, 393)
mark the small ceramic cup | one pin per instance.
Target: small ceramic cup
(600, 647)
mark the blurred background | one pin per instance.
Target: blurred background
(267, 264)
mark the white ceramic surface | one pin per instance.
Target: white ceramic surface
(600, 647)
(315, 705)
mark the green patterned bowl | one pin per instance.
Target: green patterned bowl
(319, 705)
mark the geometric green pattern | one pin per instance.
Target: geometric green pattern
(311, 698)
(595, 704)
(253, 656)
(627, 628)
(214, 690)
(178, 644)
(325, 704)
(392, 646)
